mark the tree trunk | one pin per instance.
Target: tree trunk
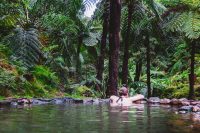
(148, 66)
(126, 47)
(138, 71)
(100, 62)
(78, 63)
(115, 14)
(191, 76)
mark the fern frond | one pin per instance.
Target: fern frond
(26, 47)
(187, 23)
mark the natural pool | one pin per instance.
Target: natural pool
(79, 118)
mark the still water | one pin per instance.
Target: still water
(96, 119)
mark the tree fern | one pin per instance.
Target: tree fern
(186, 20)
(59, 22)
(25, 46)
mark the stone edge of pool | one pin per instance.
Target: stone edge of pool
(184, 104)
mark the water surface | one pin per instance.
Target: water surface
(96, 119)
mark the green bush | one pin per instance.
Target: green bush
(45, 75)
(7, 82)
(84, 91)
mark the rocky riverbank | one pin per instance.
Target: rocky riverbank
(185, 105)
(41, 101)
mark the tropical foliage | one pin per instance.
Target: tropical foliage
(50, 48)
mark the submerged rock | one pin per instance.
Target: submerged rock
(186, 108)
(5, 102)
(14, 104)
(91, 101)
(154, 100)
(165, 101)
(182, 112)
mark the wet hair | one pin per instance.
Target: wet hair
(123, 91)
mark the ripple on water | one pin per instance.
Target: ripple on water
(97, 119)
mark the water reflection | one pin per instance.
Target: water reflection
(96, 119)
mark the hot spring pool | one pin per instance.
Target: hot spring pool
(79, 118)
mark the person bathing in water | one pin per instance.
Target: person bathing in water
(124, 99)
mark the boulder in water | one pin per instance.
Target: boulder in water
(78, 101)
(58, 101)
(22, 101)
(196, 109)
(154, 100)
(5, 102)
(165, 101)
(195, 102)
(40, 101)
(175, 101)
(186, 108)
(184, 101)
(104, 100)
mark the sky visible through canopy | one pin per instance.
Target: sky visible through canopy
(91, 10)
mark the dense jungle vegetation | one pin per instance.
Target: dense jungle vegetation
(49, 48)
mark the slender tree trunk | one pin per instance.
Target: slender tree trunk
(126, 47)
(115, 14)
(100, 62)
(191, 76)
(148, 66)
(78, 63)
(26, 13)
(138, 71)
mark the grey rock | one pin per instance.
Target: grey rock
(154, 100)
(14, 104)
(165, 101)
(195, 102)
(175, 101)
(104, 100)
(78, 100)
(88, 101)
(5, 102)
(58, 101)
(198, 105)
(196, 109)
(186, 108)
(45, 100)
(91, 101)
(182, 112)
(23, 101)
(39, 102)
(184, 101)
(96, 101)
